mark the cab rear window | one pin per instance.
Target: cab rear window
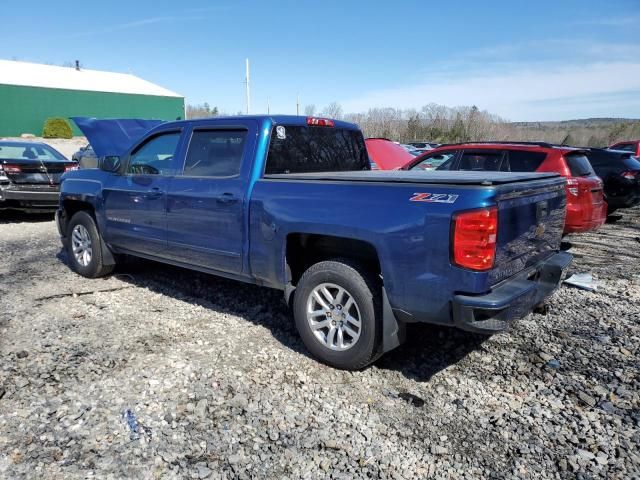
(579, 165)
(309, 149)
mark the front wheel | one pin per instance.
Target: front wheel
(84, 247)
(338, 314)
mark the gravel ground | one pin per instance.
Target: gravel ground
(157, 372)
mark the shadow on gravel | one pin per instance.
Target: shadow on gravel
(259, 305)
(17, 216)
(428, 348)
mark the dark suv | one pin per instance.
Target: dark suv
(620, 172)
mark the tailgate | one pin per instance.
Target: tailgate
(530, 224)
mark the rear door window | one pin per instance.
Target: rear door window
(303, 149)
(522, 161)
(480, 161)
(579, 165)
(215, 153)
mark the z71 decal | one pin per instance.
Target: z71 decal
(434, 197)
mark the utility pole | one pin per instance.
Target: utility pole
(248, 88)
(298, 104)
(268, 107)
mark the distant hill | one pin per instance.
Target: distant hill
(592, 132)
(579, 122)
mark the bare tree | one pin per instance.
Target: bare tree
(310, 110)
(333, 110)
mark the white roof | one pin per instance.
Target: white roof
(68, 78)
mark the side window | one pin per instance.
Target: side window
(440, 161)
(480, 161)
(522, 161)
(156, 156)
(215, 153)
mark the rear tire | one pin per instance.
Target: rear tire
(337, 310)
(85, 247)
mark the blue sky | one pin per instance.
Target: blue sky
(523, 60)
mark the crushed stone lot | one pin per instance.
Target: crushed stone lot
(159, 372)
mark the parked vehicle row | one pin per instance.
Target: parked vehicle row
(599, 181)
(586, 208)
(291, 203)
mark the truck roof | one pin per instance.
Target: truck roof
(114, 136)
(300, 120)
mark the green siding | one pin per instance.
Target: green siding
(24, 109)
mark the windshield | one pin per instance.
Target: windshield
(302, 149)
(29, 151)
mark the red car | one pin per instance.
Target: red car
(386, 155)
(632, 146)
(586, 208)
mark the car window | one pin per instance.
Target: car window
(156, 156)
(302, 149)
(579, 165)
(440, 161)
(483, 161)
(522, 161)
(215, 153)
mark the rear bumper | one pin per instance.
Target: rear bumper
(25, 196)
(512, 299)
(583, 219)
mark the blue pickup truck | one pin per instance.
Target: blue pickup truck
(290, 203)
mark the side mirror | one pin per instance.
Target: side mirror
(110, 164)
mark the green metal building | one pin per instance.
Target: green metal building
(30, 93)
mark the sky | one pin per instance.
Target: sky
(523, 60)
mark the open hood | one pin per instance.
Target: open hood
(113, 137)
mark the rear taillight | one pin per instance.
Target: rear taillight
(319, 122)
(474, 238)
(69, 168)
(629, 175)
(12, 168)
(572, 187)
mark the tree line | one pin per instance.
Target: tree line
(443, 124)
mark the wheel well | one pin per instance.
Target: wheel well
(304, 250)
(70, 208)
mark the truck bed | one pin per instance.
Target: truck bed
(432, 177)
